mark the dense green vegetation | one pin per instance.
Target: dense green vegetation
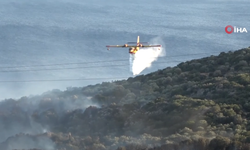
(201, 104)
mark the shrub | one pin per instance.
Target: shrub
(220, 143)
(217, 73)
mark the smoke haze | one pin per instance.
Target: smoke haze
(26, 119)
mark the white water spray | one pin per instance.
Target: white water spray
(145, 56)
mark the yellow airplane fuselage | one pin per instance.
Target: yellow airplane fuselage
(133, 50)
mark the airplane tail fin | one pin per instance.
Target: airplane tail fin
(137, 42)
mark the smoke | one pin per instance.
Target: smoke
(36, 115)
(24, 141)
(145, 56)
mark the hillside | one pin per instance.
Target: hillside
(199, 104)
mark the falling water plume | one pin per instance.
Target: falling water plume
(145, 56)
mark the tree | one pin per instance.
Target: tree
(201, 144)
(220, 143)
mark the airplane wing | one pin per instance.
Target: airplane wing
(115, 46)
(120, 46)
(151, 45)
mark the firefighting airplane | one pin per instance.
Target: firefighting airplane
(134, 48)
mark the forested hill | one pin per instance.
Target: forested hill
(201, 104)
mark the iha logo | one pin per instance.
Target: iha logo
(230, 29)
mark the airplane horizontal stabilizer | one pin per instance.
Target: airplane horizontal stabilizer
(136, 43)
